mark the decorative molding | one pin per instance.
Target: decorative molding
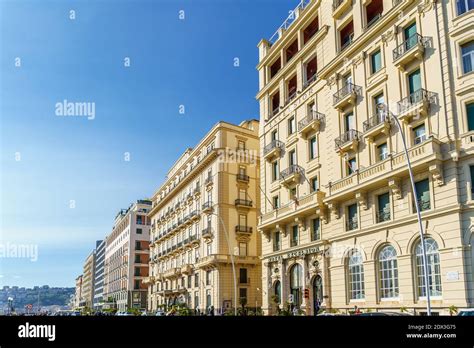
(301, 223)
(394, 185)
(361, 198)
(334, 209)
(436, 171)
(426, 6)
(388, 36)
(281, 229)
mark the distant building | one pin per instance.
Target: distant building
(126, 258)
(88, 280)
(99, 275)
(78, 293)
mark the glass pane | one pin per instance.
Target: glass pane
(414, 80)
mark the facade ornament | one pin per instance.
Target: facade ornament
(436, 171)
(334, 209)
(361, 198)
(394, 185)
(388, 36)
(425, 6)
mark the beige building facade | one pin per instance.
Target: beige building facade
(338, 214)
(87, 290)
(78, 292)
(203, 215)
(126, 259)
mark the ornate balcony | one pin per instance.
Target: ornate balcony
(243, 178)
(273, 150)
(378, 124)
(207, 233)
(243, 229)
(299, 208)
(243, 203)
(187, 269)
(291, 175)
(310, 123)
(197, 191)
(416, 104)
(346, 95)
(207, 207)
(339, 7)
(412, 48)
(347, 141)
(208, 182)
(423, 157)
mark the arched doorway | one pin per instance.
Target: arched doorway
(296, 284)
(317, 293)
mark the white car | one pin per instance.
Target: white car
(160, 313)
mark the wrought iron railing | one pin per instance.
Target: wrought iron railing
(349, 88)
(293, 169)
(346, 137)
(312, 116)
(244, 202)
(381, 117)
(273, 145)
(415, 98)
(244, 229)
(408, 44)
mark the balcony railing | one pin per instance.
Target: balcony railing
(383, 215)
(289, 20)
(243, 229)
(243, 202)
(312, 116)
(243, 177)
(408, 44)
(346, 44)
(207, 232)
(310, 80)
(273, 145)
(276, 246)
(346, 137)
(293, 169)
(352, 224)
(207, 205)
(348, 89)
(417, 97)
(374, 121)
(208, 180)
(373, 20)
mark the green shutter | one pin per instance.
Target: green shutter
(470, 116)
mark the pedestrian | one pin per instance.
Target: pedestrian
(357, 310)
(295, 310)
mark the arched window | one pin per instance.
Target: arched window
(296, 283)
(356, 276)
(277, 288)
(434, 269)
(317, 292)
(388, 272)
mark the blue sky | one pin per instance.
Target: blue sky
(173, 62)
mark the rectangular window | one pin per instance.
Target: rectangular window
(241, 145)
(352, 222)
(139, 231)
(467, 51)
(208, 277)
(316, 229)
(346, 35)
(189, 281)
(374, 12)
(139, 220)
(376, 61)
(382, 152)
(276, 202)
(312, 148)
(243, 293)
(209, 249)
(292, 158)
(294, 236)
(138, 245)
(276, 241)
(349, 122)
(243, 249)
(314, 184)
(243, 276)
(291, 89)
(414, 84)
(275, 103)
(275, 171)
(196, 280)
(383, 213)
(274, 135)
(419, 134)
(275, 67)
(293, 193)
(310, 69)
(423, 195)
(291, 50)
(351, 166)
(137, 258)
(137, 284)
(291, 125)
(470, 116)
(310, 30)
(464, 6)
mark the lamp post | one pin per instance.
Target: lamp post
(418, 214)
(231, 260)
(264, 293)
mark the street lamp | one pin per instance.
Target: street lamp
(420, 223)
(231, 260)
(264, 293)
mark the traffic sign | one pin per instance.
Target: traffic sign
(290, 298)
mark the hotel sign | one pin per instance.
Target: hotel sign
(293, 254)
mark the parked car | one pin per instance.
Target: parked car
(159, 313)
(331, 314)
(469, 312)
(383, 314)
